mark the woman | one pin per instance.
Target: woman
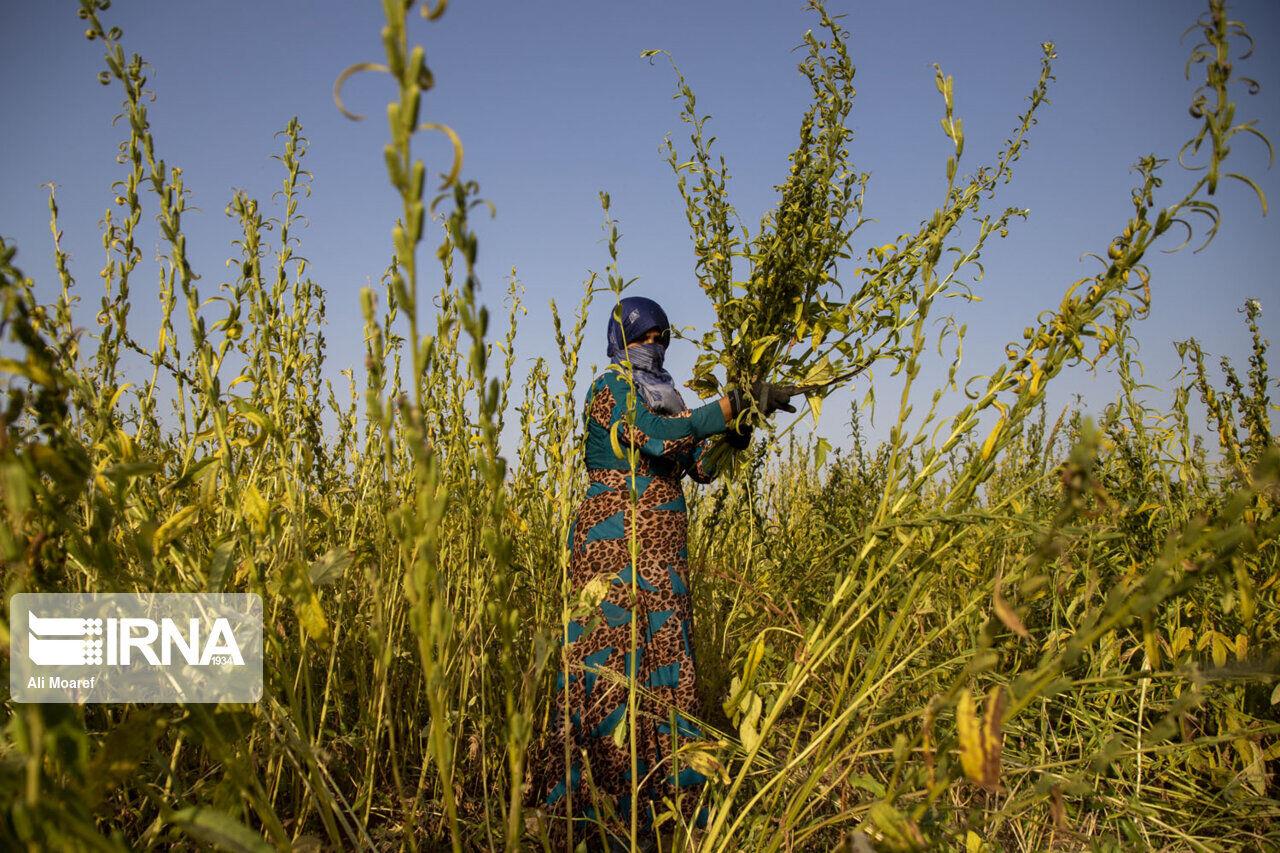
(590, 711)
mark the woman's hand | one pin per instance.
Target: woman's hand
(769, 398)
(773, 398)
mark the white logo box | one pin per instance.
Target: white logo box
(135, 647)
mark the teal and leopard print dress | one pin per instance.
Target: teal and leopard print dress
(599, 644)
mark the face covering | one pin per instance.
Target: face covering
(634, 316)
(656, 387)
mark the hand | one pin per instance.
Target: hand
(769, 398)
(739, 439)
(772, 398)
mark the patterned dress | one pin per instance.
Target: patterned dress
(599, 638)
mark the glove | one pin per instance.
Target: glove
(740, 438)
(769, 397)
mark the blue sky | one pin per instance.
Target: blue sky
(554, 104)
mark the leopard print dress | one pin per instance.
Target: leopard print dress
(595, 789)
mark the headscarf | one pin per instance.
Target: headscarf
(638, 315)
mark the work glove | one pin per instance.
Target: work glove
(768, 396)
(739, 439)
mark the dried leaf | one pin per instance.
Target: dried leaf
(1007, 615)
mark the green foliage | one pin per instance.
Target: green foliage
(1111, 588)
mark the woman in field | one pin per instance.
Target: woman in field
(633, 405)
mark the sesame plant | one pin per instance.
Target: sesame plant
(786, 310)
(1005, 628)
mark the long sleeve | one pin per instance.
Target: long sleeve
(659, 436)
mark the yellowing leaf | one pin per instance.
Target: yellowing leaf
(1151, 641)
(820, 451)
(896, 830)
(761, 346)
(1220, 650)
(1255, 773)
(970, 732)
(730, 705)
(619, 734)
(1008, 616)
(306, 604)
(590, 596)
(747, 728)
(1037, 378)
(255, 508)
(613, 439)
(170, 530)
(819, 373)
(990, 444)
(754, 655)
(329, 567)
(703, 760)
(115, 398)
(981, 742)
(311, 617)
(1181, 640)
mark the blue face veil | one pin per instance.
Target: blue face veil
(629, 321)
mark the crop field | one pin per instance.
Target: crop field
(1005, 627)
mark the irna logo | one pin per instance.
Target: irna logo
(135, 647)
(68, 641)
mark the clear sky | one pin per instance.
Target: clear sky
(554, 104)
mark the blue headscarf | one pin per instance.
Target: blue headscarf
(639, 315)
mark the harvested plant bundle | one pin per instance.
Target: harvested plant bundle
(784, 314)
